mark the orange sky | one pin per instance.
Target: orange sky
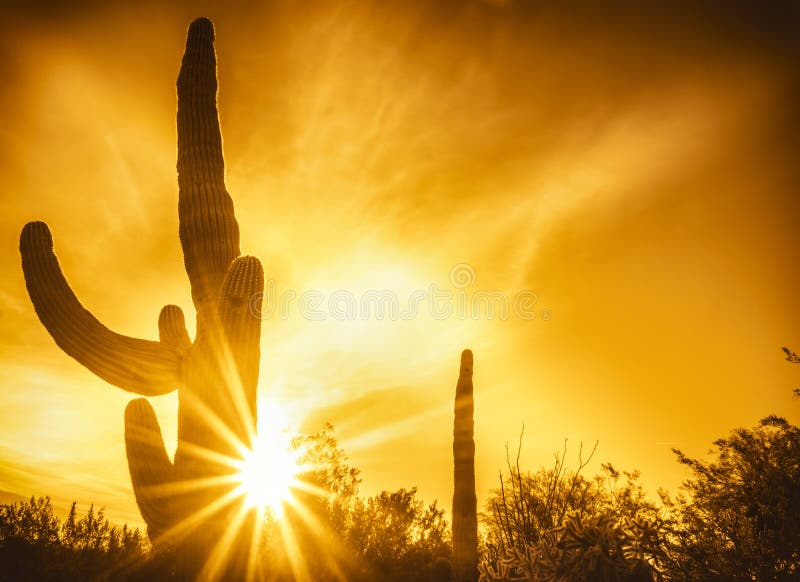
(637, 170)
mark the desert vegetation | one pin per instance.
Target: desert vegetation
(35, 544)
(734, 519)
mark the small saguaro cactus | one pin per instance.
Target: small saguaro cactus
(465, 502)
(187, 501)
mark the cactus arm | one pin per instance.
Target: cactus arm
(241, 327)
(209, 232)
(465, 504)
(141, 366)
(149, 465)
(241, 331)
(234, 345)
(172, 329)
(217, 405)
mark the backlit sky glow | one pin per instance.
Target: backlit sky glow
(635, 169)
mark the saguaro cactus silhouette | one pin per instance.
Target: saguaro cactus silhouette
(465, 503)
(187, 499)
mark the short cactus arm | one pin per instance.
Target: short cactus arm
(150, 467)
(172, 328)
(141, 366)
(208, 229)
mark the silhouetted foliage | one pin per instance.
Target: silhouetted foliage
(337, 533)
(36, 545)
(527, 505)
(556, 524)
(596, 548)
(735, 520)
(399, 536)
(739, 517)
(794, 359)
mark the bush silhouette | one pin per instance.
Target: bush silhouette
(36, 545)
(556, 524)
(738, 519)
(337, 533)
(735, 520)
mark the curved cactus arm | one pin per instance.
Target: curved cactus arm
(141, 366)
(208, 229)
(465, 504)
(149, 465)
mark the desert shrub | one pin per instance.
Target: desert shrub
(36, 545)
(330, 532)
(528, 506)
(557, 524)
(398, 536)
(597, 548)
(737, 516)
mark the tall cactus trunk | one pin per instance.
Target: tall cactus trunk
(465, 502)
(188, 502)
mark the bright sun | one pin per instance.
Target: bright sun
(269, 472)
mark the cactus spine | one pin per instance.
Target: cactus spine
(465, 503)
(188, 500)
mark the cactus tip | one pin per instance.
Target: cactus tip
(36, 233)
(202, 28)
(169, 314)
(135, 409)
(248, 262)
